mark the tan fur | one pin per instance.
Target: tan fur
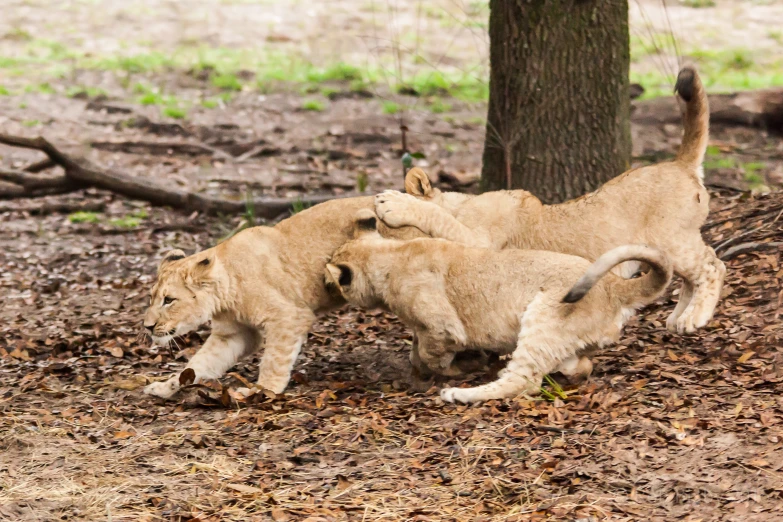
(265, 283)
(456, 297)
(663, 205)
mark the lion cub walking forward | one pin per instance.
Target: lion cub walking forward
(663, 205)
(545, 307)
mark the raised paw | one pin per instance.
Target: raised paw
(395, 208)
(163, 389)
(682, 324)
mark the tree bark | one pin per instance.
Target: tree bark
(558, 121)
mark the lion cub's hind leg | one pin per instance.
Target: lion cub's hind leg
(704, 272)
(576, 368)
(544, 342)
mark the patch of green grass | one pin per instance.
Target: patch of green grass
(84, 217)
(438, 106)
(298, 205)
(226, 81)
(43, 88)
(132, 220)
(776, 35)
(389, 107)
(696, 4)
(478, 8)
(4, 91)
(42, 50)
(720, 163)
(313, 105)
(753, 175)
(151, 98)
(557, 391)
(89, 92)
(30, 123)
(712, 151)
(174, 112)
(18, 34)
(727, 70)
(362, 180)
(125, 222)
(210, 103)
(337, 72)
(134, 64)
(435, 83)
(359, 85)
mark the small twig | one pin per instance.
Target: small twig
(745, 248)
(31, 182)
(555, 429)
(747, 233)
(40, 166)
(56, 208)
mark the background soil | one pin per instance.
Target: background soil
(668, 427)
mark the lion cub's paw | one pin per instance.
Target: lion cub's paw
(453, 395)
(682, 325)
(244, 393)
(163, 389)
(395, 208)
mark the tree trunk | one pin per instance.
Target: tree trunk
(558, 121)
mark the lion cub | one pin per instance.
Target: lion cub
(542, 307)
(663, 205)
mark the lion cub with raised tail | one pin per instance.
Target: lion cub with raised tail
(663, 205)
(542, 307)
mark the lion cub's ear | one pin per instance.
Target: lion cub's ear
(417, 183)
(174, 255)
(338, 276)
(366, 223)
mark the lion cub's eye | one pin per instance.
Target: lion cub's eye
(168, 300)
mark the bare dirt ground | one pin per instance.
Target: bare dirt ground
(668, 428)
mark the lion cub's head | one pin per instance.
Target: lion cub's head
(185, 295)
(345, 273)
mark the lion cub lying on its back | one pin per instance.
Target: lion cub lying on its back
(538, 305)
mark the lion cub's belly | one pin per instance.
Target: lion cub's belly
(492, 293)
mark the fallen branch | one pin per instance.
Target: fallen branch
(83, 172)
(760, 109)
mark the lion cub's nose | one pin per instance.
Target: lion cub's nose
(150, 327)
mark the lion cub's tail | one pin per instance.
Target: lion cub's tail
(696, 119)
(632, 292)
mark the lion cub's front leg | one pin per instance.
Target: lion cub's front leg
(397, 209)
(225, 345)
(285, 336)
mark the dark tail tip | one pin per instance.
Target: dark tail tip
(574, 295)
(684, 86)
